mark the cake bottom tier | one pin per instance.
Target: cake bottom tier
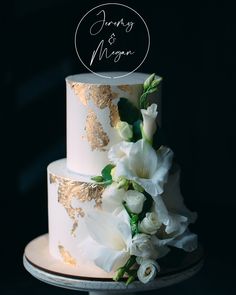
(70, 196)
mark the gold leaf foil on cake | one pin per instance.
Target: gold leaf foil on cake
(101, 95)
(96, 136)
(126, 88)
(114, 114)
(80, 90)
(66, 256)
(68, 190)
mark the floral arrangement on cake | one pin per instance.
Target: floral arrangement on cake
(140, 218)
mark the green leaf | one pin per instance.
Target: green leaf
(137, 134)
(106, 172)
(127, 111)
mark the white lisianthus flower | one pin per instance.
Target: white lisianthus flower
(143, 165)
(150, 224)
(147, 270)
(119, 151)
(134, 201)
(124, 130)
(149, 121)
(109, 239)
(142, 246)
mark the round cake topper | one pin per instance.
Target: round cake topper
(112, 37)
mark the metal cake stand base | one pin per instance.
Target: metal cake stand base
(176, 267)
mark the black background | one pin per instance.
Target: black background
(193, 48)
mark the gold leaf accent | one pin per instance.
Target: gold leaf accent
(66, 256)
(52, 178)
(126, 88)
(101, 95)
(114, 114)
(96, 136)
(81, 91)
(82, 191)
(74, 227)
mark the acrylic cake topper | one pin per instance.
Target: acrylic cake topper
(112, 37)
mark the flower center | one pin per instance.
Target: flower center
(142, 172)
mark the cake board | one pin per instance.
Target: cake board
(40, 264)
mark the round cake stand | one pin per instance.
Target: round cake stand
(39, 263)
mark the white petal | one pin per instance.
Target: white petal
(143, 159)
(109, 259)
(119, 151)
(173, 199)
(187, 241)
(104, 228)
(112, 199)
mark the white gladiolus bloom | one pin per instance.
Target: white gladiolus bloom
(150, 224)
(134, 201)
(124, 130)
(142, 164)
(149, 121)
(175, 216)
(143, 246)
(110, 239)
(119, 151)
(147, 270)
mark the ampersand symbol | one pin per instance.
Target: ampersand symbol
(112, 39)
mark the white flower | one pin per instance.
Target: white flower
(174, 215)
(150, 224)
(142, 246)
(119, 151)
(134, 201)
(149, 121)
(109, 239)
(147, 270)
(124, 130)
(112, 199)
(142, 164)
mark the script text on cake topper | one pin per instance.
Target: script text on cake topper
(112, 37)
(101, 51)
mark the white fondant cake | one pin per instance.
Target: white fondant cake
(92, 115)
(114, 204)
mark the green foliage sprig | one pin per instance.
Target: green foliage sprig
(149, 86)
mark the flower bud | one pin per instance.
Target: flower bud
(148, 81)
(134, 201)
(125, 130)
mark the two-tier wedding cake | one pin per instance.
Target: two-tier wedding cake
(114, 203)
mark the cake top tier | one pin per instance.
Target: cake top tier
(89, 78)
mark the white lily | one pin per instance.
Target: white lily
(147, 270)
(119, 151)
(142, 164)
(149, 121)
(111, 239)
